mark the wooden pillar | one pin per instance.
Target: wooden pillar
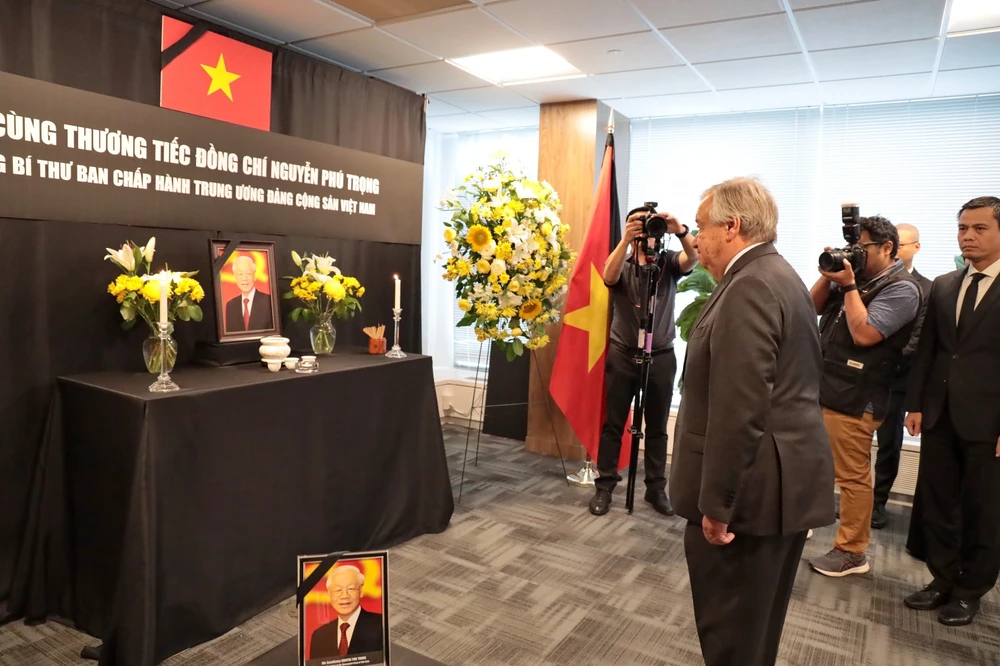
(571, 138)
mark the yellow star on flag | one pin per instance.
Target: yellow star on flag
(593, 318)
(220, 78)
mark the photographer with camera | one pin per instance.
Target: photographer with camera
(868, 304)
(624, 275)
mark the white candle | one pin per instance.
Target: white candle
(164, 287)
(396, 277)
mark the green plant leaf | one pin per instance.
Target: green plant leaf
(700, 281)
(128, 325)
(468, 320)
(509, 349)
(518, 346)
(689, 315)
(288, 295)
(183, 314)
(127, 312)
(295, 314)
(196, 313)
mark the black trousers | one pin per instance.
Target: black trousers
(890, 446)
(741, 594)
(621, 382)
(963, 556)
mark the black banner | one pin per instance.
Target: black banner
(67, 154)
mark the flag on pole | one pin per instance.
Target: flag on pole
(577, 383)
(210, 75)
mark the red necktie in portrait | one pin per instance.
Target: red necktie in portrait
(343, 639)
(246, 314)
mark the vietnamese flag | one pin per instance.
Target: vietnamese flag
(213, 76)
(577, 383)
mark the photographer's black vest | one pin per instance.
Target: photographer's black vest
(853, 376)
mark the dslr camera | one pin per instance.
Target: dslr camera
(832, 261)
(653, 228)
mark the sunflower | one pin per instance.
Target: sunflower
(478, 237)
(530, 309)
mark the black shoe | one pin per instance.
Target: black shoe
(959, 612)
(927, 599)
(660, 502)
(879, 518)
(600, 504)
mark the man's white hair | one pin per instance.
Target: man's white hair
(345, 567)
(750, 201)
(244, 258)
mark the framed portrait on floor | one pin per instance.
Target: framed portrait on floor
(246, 296)
(344, 618)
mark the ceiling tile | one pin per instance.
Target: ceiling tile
(646, 82)
(551, 21)
(430, 77)
(640, 50)
(773, 97)
(971, 51)
(458, 33)
(878, 89)
(672, 13)
(384, 10)
(365, 50)
(730, 40)
(881, 60)
(465, 122)
(557, 91)
(864, 23)
(437, 107)
(289, 21)
(809, 4)
(526, 117)
(668, 105)
(968, 82)
(194, 13)
(757, 72)
(490, 98)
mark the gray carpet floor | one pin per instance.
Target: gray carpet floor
(525, 576)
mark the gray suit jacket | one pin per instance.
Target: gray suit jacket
(750, 448)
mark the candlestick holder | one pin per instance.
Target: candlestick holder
(163, 383)
(396, 352)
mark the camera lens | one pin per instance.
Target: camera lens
(654, 227)
(832, 261)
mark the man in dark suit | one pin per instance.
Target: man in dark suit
(355, 631)
(890, 433)
(752, 465)
(954, 404)
(251, 310)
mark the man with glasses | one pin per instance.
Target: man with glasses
(355, 631)
(866, 322)
(890, 434)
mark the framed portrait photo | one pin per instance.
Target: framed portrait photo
(246, 291)
(344, 618)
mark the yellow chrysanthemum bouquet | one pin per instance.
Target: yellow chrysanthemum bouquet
(324, 293)
(138, 291)
(508, 257)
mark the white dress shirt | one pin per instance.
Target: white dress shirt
(352, 621)
(991, 272)
(246, 301)
(740, 254)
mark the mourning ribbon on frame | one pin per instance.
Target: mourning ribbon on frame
(317, 575)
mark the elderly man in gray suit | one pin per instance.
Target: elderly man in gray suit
(752, 465)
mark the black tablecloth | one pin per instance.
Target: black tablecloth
(160, 521)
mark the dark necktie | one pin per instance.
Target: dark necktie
(969, 304)
(342, 648)
(246, 314)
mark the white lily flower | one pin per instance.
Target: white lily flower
(148, 250)
(296, 258)
(524, 192)
(325, 264)
(498, 267)
(123, 257)
(491, 184)
(322, 279)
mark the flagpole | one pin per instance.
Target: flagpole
(585, 477)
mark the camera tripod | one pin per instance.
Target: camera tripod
(643, 359)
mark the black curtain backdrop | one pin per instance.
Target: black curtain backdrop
(58, 317)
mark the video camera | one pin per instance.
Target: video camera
(832, 261)
(653, 227)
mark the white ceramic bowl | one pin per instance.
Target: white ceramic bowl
(274, 348)
(274, 366)
(291, 362)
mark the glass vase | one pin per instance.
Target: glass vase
(152, 355)
(323, 336)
